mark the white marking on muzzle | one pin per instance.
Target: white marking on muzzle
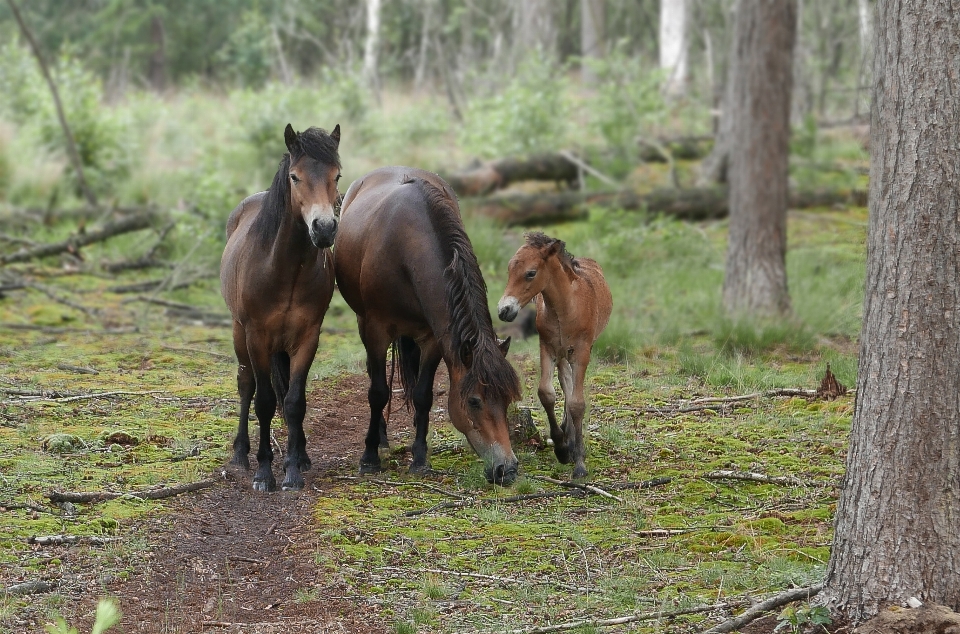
(318, 212)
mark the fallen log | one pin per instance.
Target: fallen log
(696, 203)
(482, 179)
(149, 494)
(136, 222)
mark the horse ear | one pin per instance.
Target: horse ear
(504, 345)
(335, 135)
(555, 247)
(466, 355)
(290, 137)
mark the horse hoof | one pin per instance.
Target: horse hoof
(241, 461)
(292, 485)
(304, 464)
(420, 469)
(579, 472)
(563, 455)
(264, 486)
(367, 468)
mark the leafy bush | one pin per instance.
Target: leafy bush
(247, 55)
(529, 115)
(108, 615)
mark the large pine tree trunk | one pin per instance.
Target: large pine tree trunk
(898, 519)
(755, 284)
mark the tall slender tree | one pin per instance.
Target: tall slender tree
(592, 36)
(897, 520)
(755, 284)
(371, 48)
(673, 45)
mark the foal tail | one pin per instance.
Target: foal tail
(406, 355)
(280, 376)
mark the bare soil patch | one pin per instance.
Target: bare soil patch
(229, 559)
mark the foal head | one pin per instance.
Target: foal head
(530, 270)
(313, 172)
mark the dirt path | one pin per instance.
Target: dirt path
(232, 560)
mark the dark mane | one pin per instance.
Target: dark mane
(540, 240)
(470, 323)
(312, 142)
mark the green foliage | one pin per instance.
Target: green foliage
(529, 115)
(247, 54)
(108, 615)
(803, 140)
(798, 619)
(628, 103)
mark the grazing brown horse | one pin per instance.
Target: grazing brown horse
(573, 307)
(276, 276)
(405, 265)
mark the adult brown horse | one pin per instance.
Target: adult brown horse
(573, 307)
(406, 266)
(277, 278)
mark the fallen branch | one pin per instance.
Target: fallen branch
(749, 476)
(150, 494)
(395, 483)
(485, 178)
(54, 397)
(759, 609)
(146, 260)
(695, 203)
(135, 222)
(76, 368)
(621, 620)
(28, 587)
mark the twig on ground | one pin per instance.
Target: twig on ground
(477, 575)
(54, 397)
(213, 353)
(570, 156)
(76, 368)
(146, 260)
(15, 506)
(59, 540)
(758, 610)
(59, 330)
(754, 477)
(646, 484)
(150, 494)
(60, 299)
(135, 222)
(622, 620)
(577, 485)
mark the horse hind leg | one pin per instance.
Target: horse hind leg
(376, 344)
(572, 376)
(422, 403)
(548, 398)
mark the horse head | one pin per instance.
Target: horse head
(478, 408)
(313, 174)
(526, 274)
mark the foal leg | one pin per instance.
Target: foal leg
(294, 409)
(548, 398)
(376, 343)
(572, 375)
(264, 404)
(430, 357)
(246, 384)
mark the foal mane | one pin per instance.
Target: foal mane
(540, 240)
(470, 322)
(312, 142)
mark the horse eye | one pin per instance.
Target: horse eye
(294, 178)
(338, 178)
(474, 402)
(531, 274)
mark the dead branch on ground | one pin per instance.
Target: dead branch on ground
(60, 540)
(623, 620)
(28, 587)
(477, 575)
(149, 494)
(750, 476)
(755, 612)
(145, 261)
(135, 222)
(577, 485)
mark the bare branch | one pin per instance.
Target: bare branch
(799, 594)
(150, 494)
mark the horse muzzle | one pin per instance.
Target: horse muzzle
(503, 474)
(323, 231)
(508, 308)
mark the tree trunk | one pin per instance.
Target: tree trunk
(755, 283)
(158, 58)
(673, 46)
(420, 74)
(899, 511)
(592, 37)
(535, 30)
(713, 168)
(371, 48)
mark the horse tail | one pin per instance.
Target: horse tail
(406, 355)
(280, 376)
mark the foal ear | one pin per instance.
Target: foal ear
(335, 135)
(466, 355)
(504, 345)
(290, 137)
(555, 247)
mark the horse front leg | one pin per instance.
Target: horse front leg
(264, 404)
(246, 386)
(430, 357)
(294, 410)
(548, 398)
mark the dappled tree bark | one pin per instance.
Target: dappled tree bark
(673, 46)
(899, 511)
(755, 284)
(592, 36)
